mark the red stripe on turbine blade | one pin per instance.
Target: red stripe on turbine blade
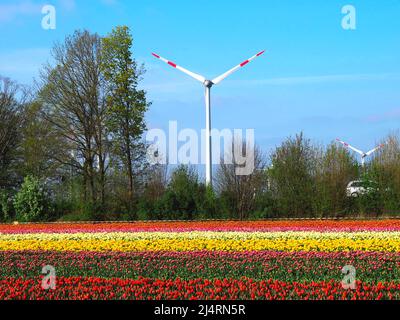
(156, 55)
(260, 53)
(172, 64)
(244, 63)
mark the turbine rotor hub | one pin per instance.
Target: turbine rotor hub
(208, 83)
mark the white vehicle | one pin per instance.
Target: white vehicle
(358, 188)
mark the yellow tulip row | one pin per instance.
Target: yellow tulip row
(193, 241)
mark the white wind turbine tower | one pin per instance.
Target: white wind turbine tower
(208, 84)
(362, 153)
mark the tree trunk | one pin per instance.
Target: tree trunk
(129, 161)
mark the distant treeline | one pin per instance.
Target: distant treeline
(72, 148)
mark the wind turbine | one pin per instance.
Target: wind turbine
(362, 153)
(207, 85)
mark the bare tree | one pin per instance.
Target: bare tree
(241, 191)
(156, 182)
(74, 98)
(12, 99)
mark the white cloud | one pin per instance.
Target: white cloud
(10, 11)
(391, 115)
(68, 5)
(317, 79)
(163, 82)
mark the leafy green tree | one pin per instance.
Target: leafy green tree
(207, 203)
(336, 168)
(371, 201)
(31, 203)
(6, 207)
(385, 168)
(292, 175)
(180, 200)
(126, 103)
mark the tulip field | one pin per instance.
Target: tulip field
(273, 260)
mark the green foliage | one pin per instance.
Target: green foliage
(40, 139)
(310, 181)
(293, 176)
(126, 103)
(75, 216)
(152, 209)
(336, 167)
(6, 207)
(31, 203)
(265, 206)
(184, 198)
(93, 212)
(181, 197)
(384, 169)
(207, 203)
(371, 200)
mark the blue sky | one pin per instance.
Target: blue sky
(315, 77)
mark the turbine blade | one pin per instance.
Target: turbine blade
(350, 147)
(375, 149)
(229, 72)
(174, 65)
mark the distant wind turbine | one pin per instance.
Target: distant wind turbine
(362, 153)
(208, 84)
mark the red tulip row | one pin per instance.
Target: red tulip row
(258, 265)
(79, 288)
(249, 226)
